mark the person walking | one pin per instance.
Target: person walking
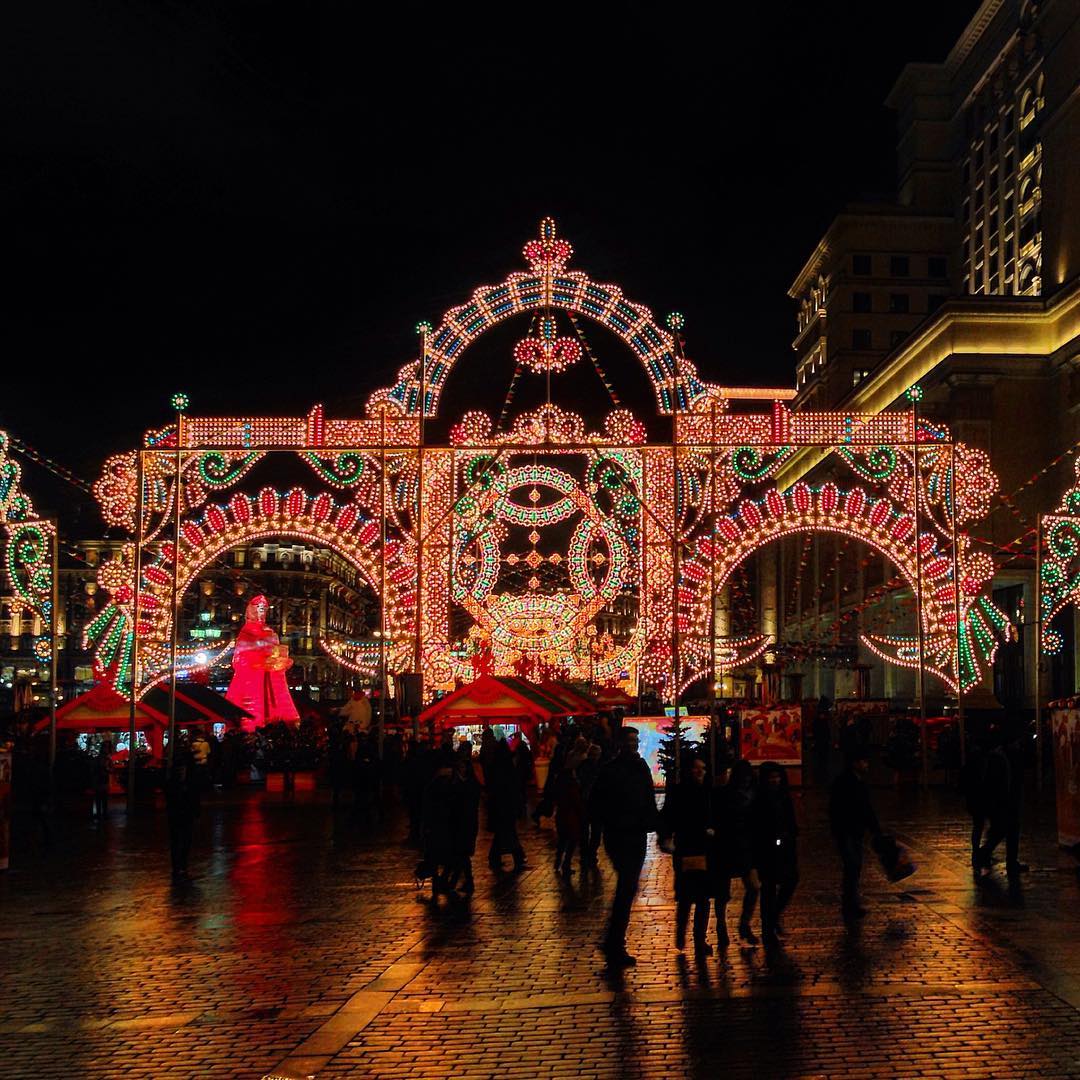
(588, 771)
(182, 810)
(465, 822)
(851, 817)
(1003, 795)
(774, 838)
(523, 768)
(687, 828)
(733, 847)
(438, 826)
(102, 771)
(569, 812)
(626, 806)
(503, 794)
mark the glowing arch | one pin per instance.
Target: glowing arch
(548, 282)
(884, 526)
(25, 551)
(246, 519)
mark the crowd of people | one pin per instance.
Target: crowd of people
(739, 828)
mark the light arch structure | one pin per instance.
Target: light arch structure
(27, 554)
(1059, 567)
(887, 527)
(460, 540)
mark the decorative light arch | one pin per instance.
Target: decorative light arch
(548, 284)
(26, 551)
(889, 529)
(246, 519)
(629, 507)
(1059, 572)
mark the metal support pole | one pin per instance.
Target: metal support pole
(919, 597)
(136, 615)
(675, 553)
(714, 718)
(54, 600)
(418, 653)
(177, 499)
(382, 589)
(956, 609)
(1038, 653)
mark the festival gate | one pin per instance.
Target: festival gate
(515, 540)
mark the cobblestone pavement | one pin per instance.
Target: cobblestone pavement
(304, 948)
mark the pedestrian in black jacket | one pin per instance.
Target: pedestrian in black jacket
(733, 846)
(438, 827)
(687, 827)
(1003, 796)
(851, 817)
(465, 818)
(503, 797)
(774, 834)
(623, 800)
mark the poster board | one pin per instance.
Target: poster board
(653, 729)
(771, 733)
(1065, 729)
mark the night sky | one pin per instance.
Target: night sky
(255, 203)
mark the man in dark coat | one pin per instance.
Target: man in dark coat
(1003, 795)
(504, 798)
(438, 827)
(182, 809)
(851, 816)
(623, 800)
(466, 818)
(774, 832)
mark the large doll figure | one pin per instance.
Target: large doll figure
(259, 665)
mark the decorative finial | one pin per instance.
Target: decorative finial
(915, 394)
(423, 327)
(180, 402)
(547, 254)
(676, 320)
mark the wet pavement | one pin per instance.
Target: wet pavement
(304, 948)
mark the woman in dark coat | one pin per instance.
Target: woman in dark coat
(687, 824)
(438, 833)
(733, 849)
(774, 837)
(569, 812)
(503, 795)
(465, 821)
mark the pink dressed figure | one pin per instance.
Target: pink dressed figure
(259, 665)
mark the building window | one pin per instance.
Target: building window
(860, 264)
(896, 338)
(899, 266)
(899, 303)
(858, 375)
(860, 302)
(936, 266)
(861, 339)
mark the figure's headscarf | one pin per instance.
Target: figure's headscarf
(257, 608)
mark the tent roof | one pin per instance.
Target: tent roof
(575, 700)
(490, 699)
(214, 706)
(612, 695)
(102, 709)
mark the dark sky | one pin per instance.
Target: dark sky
(255, 203)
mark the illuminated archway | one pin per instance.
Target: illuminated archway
(26, 554)
(884, 526)
(547, 285)
(246, 519)
(637, 518)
